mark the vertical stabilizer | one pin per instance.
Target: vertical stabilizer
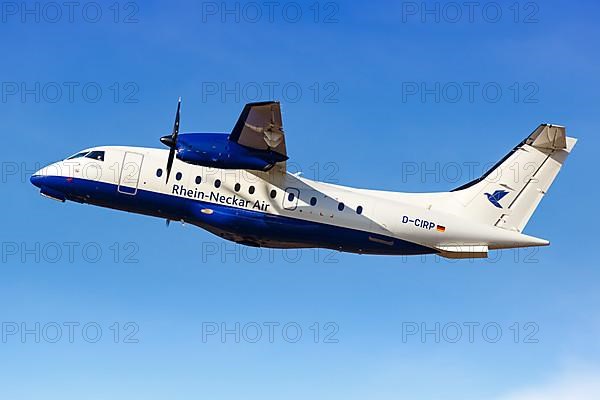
(507, 195)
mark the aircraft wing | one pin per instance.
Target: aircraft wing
(260, 127)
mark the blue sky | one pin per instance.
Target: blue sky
(394, 95)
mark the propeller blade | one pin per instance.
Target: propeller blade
(170, 162)
(172, 141)
(176, 124)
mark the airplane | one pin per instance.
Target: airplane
(235, 185)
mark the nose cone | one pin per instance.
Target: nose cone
(49, 184)
(38, 178)
(167, 141)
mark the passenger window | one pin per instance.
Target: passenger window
(178, 176)
(159, 172)
(251, 190)
(273, 193)
(237, 187)
(217, 183)
(198, 180)
(291, 197)
(95, 155)
(359, 210)
(341, 207)
(313, 201)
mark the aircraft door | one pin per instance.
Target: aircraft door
(290, 199)
(130, 173)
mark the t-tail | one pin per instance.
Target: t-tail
(507, 195)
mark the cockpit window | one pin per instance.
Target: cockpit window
(96, 155)
(77, 155)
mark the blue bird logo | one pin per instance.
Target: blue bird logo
(496, 197)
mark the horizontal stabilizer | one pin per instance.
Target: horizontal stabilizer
(463, 251)
(546, 136)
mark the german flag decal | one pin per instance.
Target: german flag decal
(441, 228)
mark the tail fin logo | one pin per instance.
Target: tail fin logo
(496, 197)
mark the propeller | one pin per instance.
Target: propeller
(171, 141)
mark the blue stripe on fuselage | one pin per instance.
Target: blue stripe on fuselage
(241, 225)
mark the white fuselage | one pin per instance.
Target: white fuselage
(274, 208)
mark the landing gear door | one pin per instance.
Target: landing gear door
(130, 173)
(290, 199)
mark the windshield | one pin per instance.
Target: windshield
(96, 155)
(81, 154)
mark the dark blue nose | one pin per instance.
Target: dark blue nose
(49, 186)
(37, 180)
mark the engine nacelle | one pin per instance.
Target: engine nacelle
(217, 151)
